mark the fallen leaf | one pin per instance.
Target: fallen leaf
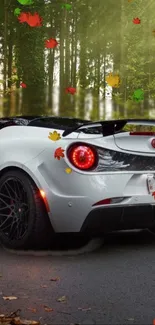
(68, 170)
(84, 309)
(33, 310)
(18, 321)
(62, 299)
(10, 298)
(48, 309)
(43, 286)
(14, 319)
(54, 136)
(59, 153)
(55, 279)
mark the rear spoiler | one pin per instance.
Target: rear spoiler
(108, 127)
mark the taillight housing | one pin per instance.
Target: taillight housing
(153, 143)
(142, 133)
(82, 156)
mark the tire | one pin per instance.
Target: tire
(24, 222)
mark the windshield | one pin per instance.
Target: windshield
(82, 59)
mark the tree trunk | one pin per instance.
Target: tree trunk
(30, 63)
(61, 74)
(5, 103)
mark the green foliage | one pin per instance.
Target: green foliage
(94, 36)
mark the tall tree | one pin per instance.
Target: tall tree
(30, 62)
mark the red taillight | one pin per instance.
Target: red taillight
(142, 133)
(113, 200)
(82, 156)
(103, 202)
(153, 143)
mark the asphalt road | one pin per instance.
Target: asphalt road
(114, 285)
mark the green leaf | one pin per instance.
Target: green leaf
(17, 11)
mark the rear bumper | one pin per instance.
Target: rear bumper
(102, 220)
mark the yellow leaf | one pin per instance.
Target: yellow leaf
(55, 136)
(68, 170)
(113, 80)
(62, 299)
(10, 298)
(18, 321)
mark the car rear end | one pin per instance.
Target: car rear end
(111, 186)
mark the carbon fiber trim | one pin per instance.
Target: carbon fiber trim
(110, 160)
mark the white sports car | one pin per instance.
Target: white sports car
(65, 175)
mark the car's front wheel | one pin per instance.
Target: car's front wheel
(24, 222)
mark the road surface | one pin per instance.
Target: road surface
(113, 285)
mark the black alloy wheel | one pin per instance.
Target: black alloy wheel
(24, 222)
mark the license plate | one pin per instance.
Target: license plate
(151, 183)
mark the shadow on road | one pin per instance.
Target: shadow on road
(129, 238)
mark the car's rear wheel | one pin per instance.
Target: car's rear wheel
(24, 221)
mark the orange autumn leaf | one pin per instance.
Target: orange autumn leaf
(33, 310)
(48, 309)
(59, 153)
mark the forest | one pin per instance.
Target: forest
(77, 58)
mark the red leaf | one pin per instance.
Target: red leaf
(71, 90)
(136, 21)
(32, 20)
(23, 85)
(59, 153)
(153, 194)
(23, 17)
(51, 43)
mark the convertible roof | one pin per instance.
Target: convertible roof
(42, 121)
(69, 124)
